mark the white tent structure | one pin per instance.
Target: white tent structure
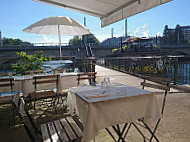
(109, 11)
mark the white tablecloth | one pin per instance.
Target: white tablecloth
(25, 83)
(99, 113)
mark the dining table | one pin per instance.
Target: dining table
(100, 108)
(25, 83)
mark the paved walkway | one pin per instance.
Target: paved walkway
(174, 126)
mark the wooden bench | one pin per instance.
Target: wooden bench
(65, 130)
(91, 76)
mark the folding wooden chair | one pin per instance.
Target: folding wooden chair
(156, 83)
(20, 109)
(6, 86)
(46, 96)
(67, 129)
(90, 76)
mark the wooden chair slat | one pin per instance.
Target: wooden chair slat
(41, 95)
(45, 134)
(158, 80)
(53, 133)
(45, 81)
(162, 87)
(82, 78)
(6, 85)
(89, 73)
(61, 131)
(4, 74)
(34, 72)
(45, 77)
(75, 126)
(5, 79)
(68, 129)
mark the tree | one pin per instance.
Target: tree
(14, 42)
(29, 62)
(74, 41)
(90, 39)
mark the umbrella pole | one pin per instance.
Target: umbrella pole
(60, 45)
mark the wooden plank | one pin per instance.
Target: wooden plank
(89, 73)
(5, 79)
(68, 129)
(75, 126)
(53, 134)
(45, 77)
(162, 87)
(158, 80)
(5, 85)
(45, 134)
(45, 81)
(4, 74)
(83, 78)
(60, 131)
(34, 72)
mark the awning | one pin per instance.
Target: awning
(109, 11)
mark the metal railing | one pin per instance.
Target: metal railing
(176, 68)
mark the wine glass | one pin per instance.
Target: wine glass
(107, 79)
(104, 87)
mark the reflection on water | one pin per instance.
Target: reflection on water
(47, 65)
(57, 64)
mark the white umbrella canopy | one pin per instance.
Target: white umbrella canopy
(58, 25)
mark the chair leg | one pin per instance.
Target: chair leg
(139, 131)
(152, 133)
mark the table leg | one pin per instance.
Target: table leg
(119, 131)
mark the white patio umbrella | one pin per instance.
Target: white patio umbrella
(58, 25)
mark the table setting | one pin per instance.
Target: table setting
(108, 104)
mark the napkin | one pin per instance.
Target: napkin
(96, 95)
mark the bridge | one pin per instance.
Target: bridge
(176, 49)
(53, 50)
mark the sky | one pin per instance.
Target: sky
(15, 15)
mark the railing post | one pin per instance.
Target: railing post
(175, 70)
(73, 64)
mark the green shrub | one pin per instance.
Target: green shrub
(29, 62)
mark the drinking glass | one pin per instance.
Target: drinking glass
(104, 86)
(31, 73)
(10, 74)
(107, 79)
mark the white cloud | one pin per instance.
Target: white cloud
(47, 39)
(142, 31)
(159, 34)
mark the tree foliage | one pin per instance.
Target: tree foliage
(173, 36)
(15, 42)
(29, 62)
(90, 39)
